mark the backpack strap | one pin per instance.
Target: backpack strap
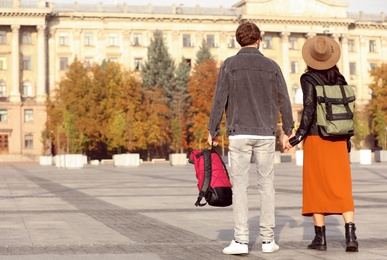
(207, 177)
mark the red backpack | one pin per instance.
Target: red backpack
(213, 179)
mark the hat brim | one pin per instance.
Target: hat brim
(321, 65)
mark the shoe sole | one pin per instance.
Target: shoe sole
(351, 249)
(236, 253)
(271, 251)
(319, 248)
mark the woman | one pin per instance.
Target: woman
(327, 184)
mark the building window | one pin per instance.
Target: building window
(3, 63)
(28, 141)
(293, 43)
(372, 47)
(88, 62)
(3, 115)
(210, 41)
(373, 66)
(267, 42)
(27, 89)
(138, 64)
(3, 89)
(113, 39)
(3, 37)
(352, 68)
(63, 63)
(186, 40)
(63, 39)
(26, 38)
(28, 115)
(26, 63)
(3, 143)
(294, 67)
(189, 62)
(351, 45)
(88, 38)
(137, 39)
(231, 42)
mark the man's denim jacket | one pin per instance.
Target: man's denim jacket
(252, 90)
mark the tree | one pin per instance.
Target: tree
(180, 106)
(203, 53)
(201, 89)
(378, 105)
(66, 107)
(360, 125)
(159, 69)
(158, 85)
(93, 110)
(150, 126)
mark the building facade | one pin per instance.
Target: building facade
(39, 39)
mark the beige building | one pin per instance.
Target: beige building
(38, 40)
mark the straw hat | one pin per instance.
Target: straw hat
(321, 52)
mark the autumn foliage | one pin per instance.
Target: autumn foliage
(106, 109)
(201, 89)
(378, 105)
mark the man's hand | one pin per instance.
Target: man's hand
(212, 141)
(285, 142)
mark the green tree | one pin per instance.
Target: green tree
(180, 106)
(159, 69)
(204, 53)
(158, 75)
(378, 105)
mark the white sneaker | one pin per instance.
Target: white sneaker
(236, 248)
(269, 247)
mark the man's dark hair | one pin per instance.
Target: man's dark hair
(247, 33)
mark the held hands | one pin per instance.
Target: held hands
(285, 142)
(212, 141)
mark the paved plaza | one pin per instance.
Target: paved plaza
(148, 213)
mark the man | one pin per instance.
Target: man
(252, 90)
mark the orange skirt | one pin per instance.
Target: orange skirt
(327, 183)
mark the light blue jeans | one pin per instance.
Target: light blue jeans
(240, 158)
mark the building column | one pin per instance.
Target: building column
(126, 58)
(42, 3)
(383, 48)
(101, 46)
(15, 93)
(41, 88)
(16, 3)
(363, 65)
(339, 64)
(344, 56)
(77, 46)
(176, 43)
(285, 56)
(52, 72)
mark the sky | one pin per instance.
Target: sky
(367, 6)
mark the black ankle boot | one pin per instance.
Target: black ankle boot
(319, 242)
(350, 237)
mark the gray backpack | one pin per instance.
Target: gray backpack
(335, 106)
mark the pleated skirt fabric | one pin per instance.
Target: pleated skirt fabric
(327, 182)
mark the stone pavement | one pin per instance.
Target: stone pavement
(148, 212)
